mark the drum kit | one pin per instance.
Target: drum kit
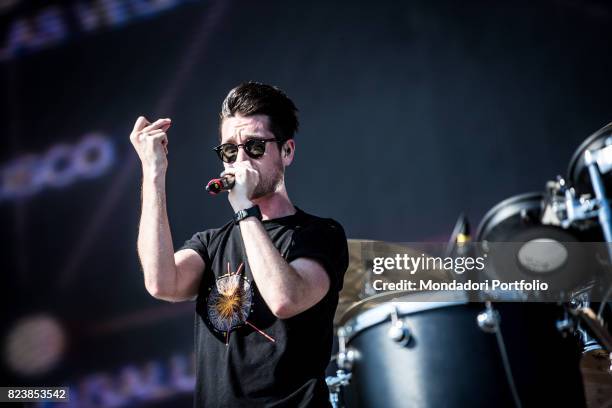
(407, 349)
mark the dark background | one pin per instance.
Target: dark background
(416, 110)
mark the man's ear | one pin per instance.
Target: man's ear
(287, 152)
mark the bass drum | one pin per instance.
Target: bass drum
(447, 360)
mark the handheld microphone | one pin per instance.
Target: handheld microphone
(217, 185)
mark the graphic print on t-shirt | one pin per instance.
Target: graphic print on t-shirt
(229, 303)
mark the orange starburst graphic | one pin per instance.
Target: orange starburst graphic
(229, 303)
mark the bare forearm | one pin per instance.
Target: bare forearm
(279, 284)
(155, 247)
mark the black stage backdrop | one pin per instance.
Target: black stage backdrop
(411, 112)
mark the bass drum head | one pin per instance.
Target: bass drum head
(450, 362)
(527, 250)
(578, 173)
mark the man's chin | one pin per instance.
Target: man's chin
(262, 194)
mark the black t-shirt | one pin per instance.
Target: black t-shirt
(246, 356)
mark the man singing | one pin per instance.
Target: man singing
(266, 283)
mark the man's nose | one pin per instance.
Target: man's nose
(241, 156)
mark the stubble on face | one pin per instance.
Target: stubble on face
(270, 183)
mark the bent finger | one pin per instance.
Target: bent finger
(141, 122)
(158, 124)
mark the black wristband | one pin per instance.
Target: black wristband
(249, 212)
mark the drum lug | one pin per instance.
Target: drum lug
(347, 358)
(346, 355)
(398, 332)
(489, 319)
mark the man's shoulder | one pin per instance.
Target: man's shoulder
(329, 225)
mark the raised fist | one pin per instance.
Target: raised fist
(151, 143)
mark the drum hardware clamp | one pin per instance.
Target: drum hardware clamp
(568, 326)
(595, 325)
(335, 385)
(579, 209)
(598, 163)
(565, 325)
(568, 209)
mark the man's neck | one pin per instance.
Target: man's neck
(275, 205)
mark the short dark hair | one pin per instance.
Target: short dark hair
(254, 98)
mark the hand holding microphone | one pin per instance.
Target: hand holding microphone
(240, 181)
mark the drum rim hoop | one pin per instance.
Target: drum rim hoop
(381, 313)
(493, 213)
(578, 156)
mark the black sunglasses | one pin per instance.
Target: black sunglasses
(254, 148)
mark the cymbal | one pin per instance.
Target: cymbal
(359, 277)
